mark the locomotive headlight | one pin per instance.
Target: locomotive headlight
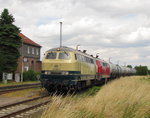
(65, 73)
(46, 72)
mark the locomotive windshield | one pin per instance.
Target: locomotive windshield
(64, 55)
(51, 55)
(58, 55)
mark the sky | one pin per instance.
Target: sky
(116, 30)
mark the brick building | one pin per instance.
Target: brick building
(30, 55)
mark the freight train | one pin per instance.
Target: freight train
(69, 69)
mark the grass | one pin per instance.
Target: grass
(127, 97)
(89, 92)
(17, 83)
(146, 78)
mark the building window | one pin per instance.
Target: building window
(37, 51)
(28, 50)
(26, 68)
(32, 50)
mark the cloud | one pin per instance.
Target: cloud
(118, 28)
(115, 8)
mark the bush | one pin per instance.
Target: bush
(30, 75)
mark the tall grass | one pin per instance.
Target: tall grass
(127, 97)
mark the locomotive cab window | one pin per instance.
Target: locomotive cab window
(51, 55)
(64, 55)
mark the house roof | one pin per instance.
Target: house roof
(28, 41)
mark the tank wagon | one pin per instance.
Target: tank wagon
(69, 69)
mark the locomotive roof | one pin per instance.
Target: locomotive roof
(64, 48)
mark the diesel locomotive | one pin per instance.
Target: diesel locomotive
(69, 69)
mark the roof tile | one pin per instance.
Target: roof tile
(28, 41)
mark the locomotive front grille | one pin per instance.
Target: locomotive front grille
(55, 73)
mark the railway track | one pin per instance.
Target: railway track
(23, 108)
(7, 89)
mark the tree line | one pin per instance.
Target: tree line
(142, 70)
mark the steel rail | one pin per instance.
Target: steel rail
(19, 88)
(16, 86)
(24, 110)
(21, 102)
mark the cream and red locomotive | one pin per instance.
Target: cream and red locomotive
(70, 69)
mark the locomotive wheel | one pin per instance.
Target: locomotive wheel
(79, 86)
(49, 89)
(84, 84)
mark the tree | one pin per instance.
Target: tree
(149, 72)
(130, 66)
(10, 42)
(141, 70)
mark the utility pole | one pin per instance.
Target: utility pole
(124, 63)
(97, 55)
(118, 62)
(109, 59)
(60, 34)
